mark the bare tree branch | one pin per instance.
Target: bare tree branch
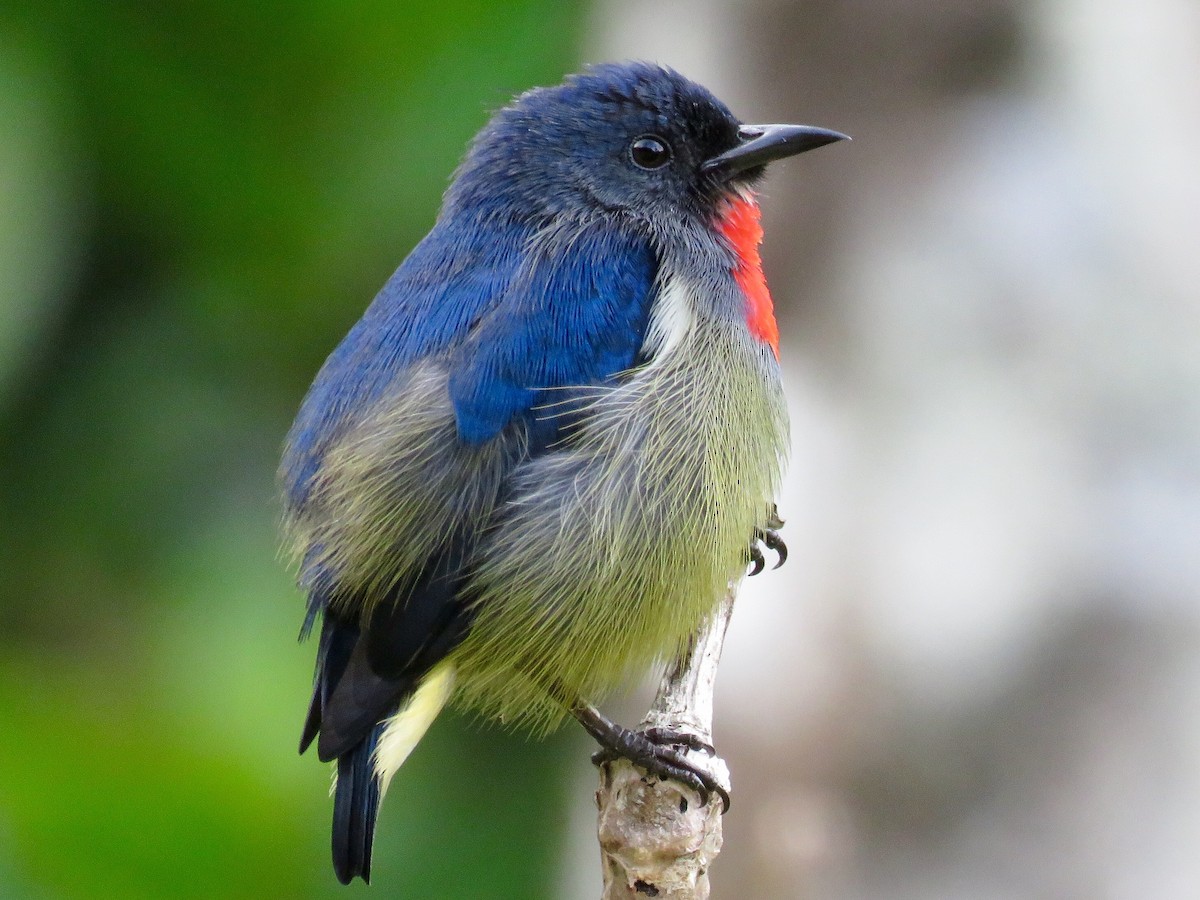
(656, 840)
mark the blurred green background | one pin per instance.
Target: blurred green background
(977, 675)
(196, 201)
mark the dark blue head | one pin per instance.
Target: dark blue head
(633, 136)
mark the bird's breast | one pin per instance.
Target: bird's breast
(611, 550)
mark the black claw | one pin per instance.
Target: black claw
(654, 751)
(768, 537)
(756, 558)
(772, 539)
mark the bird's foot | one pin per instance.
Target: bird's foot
(673, 737)
(769, 538)
(659, 751)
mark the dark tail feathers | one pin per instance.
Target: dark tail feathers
(355, 808)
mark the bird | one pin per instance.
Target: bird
(533, 467)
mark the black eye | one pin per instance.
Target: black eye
(650, 152)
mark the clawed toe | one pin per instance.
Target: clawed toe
(769, 538)
(655, 750)
(757, 561)
(774, 542)
(672, 737)
(664, 762)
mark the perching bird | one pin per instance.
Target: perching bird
(533, 467)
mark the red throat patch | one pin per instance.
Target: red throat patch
(740, 223)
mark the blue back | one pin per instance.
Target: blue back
(515, 315)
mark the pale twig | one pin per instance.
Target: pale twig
(656, 840)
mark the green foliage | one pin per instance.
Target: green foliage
(196, 200)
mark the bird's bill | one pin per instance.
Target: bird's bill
(763, 143)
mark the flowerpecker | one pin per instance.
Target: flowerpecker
(534, 466)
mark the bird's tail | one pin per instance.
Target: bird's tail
(356, 798)
(363, 773)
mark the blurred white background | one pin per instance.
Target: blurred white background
(977, 676)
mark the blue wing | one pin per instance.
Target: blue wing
(448, 281)
(521, 317)
(574, 316)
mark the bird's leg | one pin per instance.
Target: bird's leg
(769, 538)
(653, 750)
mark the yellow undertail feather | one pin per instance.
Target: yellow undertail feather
(406, 728)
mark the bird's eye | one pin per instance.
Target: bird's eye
(650, 152)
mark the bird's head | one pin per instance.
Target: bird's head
(634, 137)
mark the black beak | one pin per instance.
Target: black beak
(763, 143)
